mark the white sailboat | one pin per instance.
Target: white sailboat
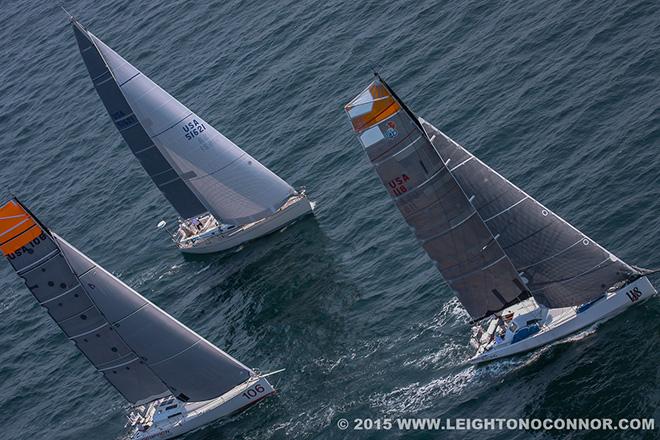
(176, 380)
(525, 275)
(223, 195)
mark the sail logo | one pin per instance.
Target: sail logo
(634, 294)
(398, 185)
(193, 129)
(391, 130)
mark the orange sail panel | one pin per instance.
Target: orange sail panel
(17, 228)
(372, 106)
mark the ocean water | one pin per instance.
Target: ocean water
(561, 97)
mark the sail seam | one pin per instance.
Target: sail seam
(176, 354)
(400, 151)
(572, 278)
(18, 235)
(89, 331)
(110, 78)
(450, 229)
(130, 126)
(220, 169)
(60, 295)
(378, 159)
(107, 71)
(462, 163)
(37, 263)
(13, 227)
(120, 359)
(481, 269)
(148, 148)
(168, 182)
(552, 256)
(50, 256)
(412, 190)
(118, 365)
(131, 314)
(128, 79)
(505, 210)
(174, 125)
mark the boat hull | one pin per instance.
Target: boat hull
(602, 310)
(245, 233)
(234, 401)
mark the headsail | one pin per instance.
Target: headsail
(140, 349)
(185, 155)
(478, 228)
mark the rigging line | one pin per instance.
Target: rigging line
(645, 271)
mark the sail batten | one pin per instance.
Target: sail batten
(140, 349)
(491, 241)
(197, 165)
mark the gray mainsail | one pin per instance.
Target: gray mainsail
(141, 350)
(228, 182)
(562, 266)
(492, 243)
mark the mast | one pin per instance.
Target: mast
(494, 244)
(195, 166)
(141, 350)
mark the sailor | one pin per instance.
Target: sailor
(195, 222)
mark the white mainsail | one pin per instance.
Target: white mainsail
(141, 350)
(228, 182)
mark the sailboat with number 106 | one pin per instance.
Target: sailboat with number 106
(524, 274)
(176, 380)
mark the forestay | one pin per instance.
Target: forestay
(231, 184)
(493, 243)
(140, 349)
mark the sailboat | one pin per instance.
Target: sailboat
(176, 380)
(224, 196)
(525, 275)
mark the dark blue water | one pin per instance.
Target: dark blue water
(561, 97)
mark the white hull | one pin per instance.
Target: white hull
(559, 323)
(197, 414)
(290, 212)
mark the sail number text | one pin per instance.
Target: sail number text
(193, 128)
(398, 185)
(634, 294)
(251, 393)
(28, 247)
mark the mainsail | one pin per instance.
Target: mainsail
(141, 350)
(493, 243)
(194, 165)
